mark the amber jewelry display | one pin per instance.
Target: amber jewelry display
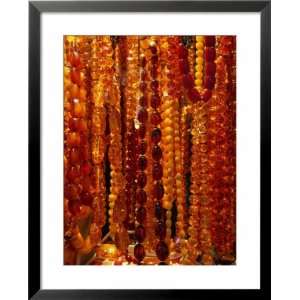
(149, 150)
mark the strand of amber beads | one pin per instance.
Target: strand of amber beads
(174, 93)
(142, 162)
(117, 183)
(199, 62)
(208, 199)
(167, 141)
(161, 249)
(77, 191)
(98, 127)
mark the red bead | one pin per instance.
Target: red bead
(86, 198)
(85, 168)
(74, 155)
(143, 60)
(139, 252)
(142, 162)
(141, 215)
(157, 171)
(156, 153)
(142, 179)
(142, 147)
(156, 135)
(75, 59)
(210, 40)
(155, 101)
(182, 52)
(193, 95)
(143, 75)
(160, 230)
(142, 115)
(73, 173)
(153, 73)
(188, 81)
(210, 69)
(153, 49)
(75, 76)
(154, 85)
(209, 82)
(141, 196)
(84, 153)
(158, 210)
(143, 101)
(140, 233)
(73, 123)
(154, 60)
(210, 54)
(162, 250)
(158, 191)
(184, 66)
(156, 118)
(206, 94)
(71, 192)
(143, 86)
(142, 131)
(74, 207)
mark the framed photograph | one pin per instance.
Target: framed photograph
(149, 149)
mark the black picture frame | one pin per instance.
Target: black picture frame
(35, 11)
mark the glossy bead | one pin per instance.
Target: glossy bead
(206, 94)
(209, 82)
(155, 118)
(141, 197)
(140, 233)
(188, 81)
(142, 147)
(75, 76)
(82, 125)
(154, 60)
(142, 131)
(210, 54)
(85, 168)
(142, 115)
(74, 59)
(162, 250)
(156, 135)
(157, 171)
(84, 153)
(73, 123)
(142, 180)
(209, 40)
(143, 86)
(74, 155)
(210, 69)
(160, 230)
(153, 48)
(154, 84)
(73, 139)
(141, 214)
(158, 191)
(154, 73)
(86, 198)
(143, 60)
(142, 162)
(156, 153)
(182, 52)
(184, 66)
(74, 207)
(73, 173)
(143, 101)
(193, 95)
(139, 252)
(143, 75)
(155, 101)
(158, 210)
